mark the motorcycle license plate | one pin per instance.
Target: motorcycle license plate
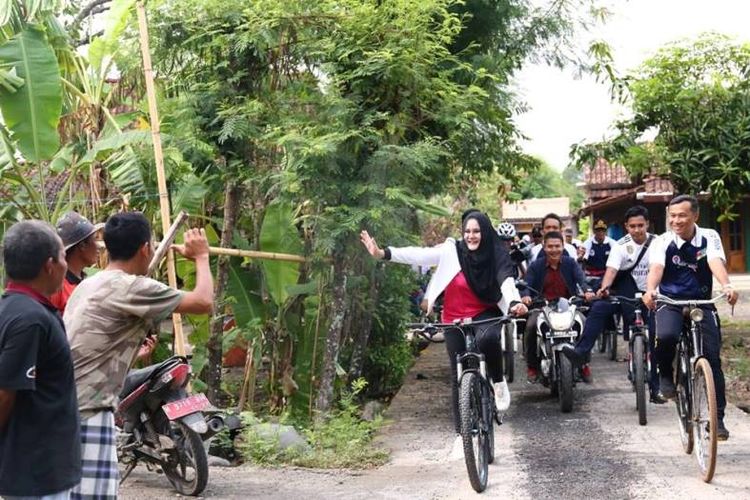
(192, 404)
(562, 335)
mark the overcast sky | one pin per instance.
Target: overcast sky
(566, 110)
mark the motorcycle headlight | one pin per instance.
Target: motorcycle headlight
(696, 315)
(560, 321)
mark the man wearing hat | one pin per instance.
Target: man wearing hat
(79, 239)
(596, 252)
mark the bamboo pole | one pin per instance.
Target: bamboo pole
(179, 339)
(253, 254)
(250, 254)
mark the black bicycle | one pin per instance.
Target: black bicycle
(476, 399)
(696, 392)
(639, 358)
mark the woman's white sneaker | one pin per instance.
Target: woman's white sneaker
(502, 395)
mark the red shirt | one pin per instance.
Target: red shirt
(461, 302)
(60, 298)
(554, 285)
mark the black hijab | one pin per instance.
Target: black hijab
(489, 265)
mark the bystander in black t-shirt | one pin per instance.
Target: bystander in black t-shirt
(40, 447)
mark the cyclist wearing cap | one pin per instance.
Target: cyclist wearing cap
(684, 262)
(595, 252)
(79, 239)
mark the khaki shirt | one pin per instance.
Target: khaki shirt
(107, 318)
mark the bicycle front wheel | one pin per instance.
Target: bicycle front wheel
(474, 431)
(705, 418)
(639, 378)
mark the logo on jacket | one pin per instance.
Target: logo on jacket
(677, 261)
(31, 372)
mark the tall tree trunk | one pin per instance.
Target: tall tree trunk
(214, 346)
(333, 338)
(362, 336)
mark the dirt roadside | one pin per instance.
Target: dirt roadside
(598, 451)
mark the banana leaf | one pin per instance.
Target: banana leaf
(279, 234)
(32, 111)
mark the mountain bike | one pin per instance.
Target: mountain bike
(639, 358)
(694, 381)
(476, 398)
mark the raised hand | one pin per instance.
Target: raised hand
(371, 245)
(195, 246)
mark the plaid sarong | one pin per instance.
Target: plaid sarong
(99, 453)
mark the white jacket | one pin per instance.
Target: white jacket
(445, 257)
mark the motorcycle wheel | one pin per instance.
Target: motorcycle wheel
(639, 371)
(189, 472)
(565, 392)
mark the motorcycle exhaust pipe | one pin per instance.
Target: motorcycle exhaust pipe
(215, 424)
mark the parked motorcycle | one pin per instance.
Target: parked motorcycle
(560, 323)
(163, 427)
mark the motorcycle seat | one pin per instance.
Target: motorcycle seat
(137, 377)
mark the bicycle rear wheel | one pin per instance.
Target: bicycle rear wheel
(474, 431)
(601, 342)
(612, 342)
(639, 379)
(684, 412)
(706, 418)
(508, 354)
(488, 403)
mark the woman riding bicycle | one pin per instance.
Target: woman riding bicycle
(475, 274)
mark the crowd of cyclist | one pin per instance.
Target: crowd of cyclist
(476, 276)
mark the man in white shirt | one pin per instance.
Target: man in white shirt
(684, 262)
(552, 222)
(626, 270)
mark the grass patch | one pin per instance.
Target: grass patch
(735, 354)
(343, 441)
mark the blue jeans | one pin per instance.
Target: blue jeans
(669, 325)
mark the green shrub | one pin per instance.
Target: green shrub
(342, 441)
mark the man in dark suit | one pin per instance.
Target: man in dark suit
(555, 275)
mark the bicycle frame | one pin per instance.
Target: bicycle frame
(694, 338)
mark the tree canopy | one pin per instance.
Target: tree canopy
(695, 96)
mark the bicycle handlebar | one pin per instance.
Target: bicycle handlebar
(630, 300)
(458, 323)
(690, 302)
